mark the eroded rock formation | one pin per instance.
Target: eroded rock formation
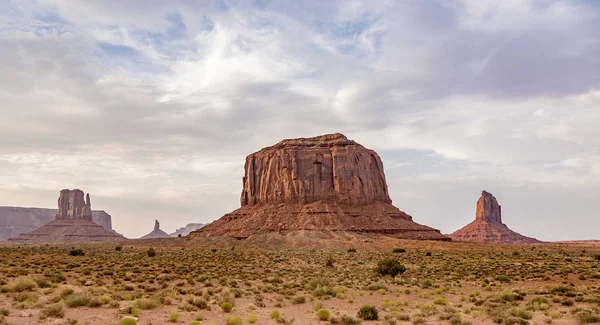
(322, 183)
(156, 233)
(72, 222)
(17, 220)
(488, 226)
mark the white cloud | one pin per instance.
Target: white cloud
(151, 106)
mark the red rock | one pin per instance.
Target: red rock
(73, 222)
(324, 183)
(488, 226)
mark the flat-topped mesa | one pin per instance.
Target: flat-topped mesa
(328, 168)
(72, 205)
(315, 185)
(488, 208)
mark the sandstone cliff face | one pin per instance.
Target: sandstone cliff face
(18, 220)
(330, 168)
(71, 205)
(325, 183)
(488, 226)
(488, 208)
(73, 222)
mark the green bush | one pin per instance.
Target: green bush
(78, 300)
(368, 313)
(234, 320)
(398, 250)
(274, 314)
(323, 314)
(298, 300)
(127, 321)
(391, 267)
(226, 306)
(351, 250)
(151, 252)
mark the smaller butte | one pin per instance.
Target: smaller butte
(488, 226)
(72, 223)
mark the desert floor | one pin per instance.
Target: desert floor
(443, 283)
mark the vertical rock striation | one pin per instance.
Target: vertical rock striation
(324, 183)
(71, 205)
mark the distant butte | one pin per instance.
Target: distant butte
(324, 183)
(156, 233)
(488, 226)
(73, 223)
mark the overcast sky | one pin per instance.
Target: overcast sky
(151, 106)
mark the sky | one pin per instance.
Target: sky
(151, 106)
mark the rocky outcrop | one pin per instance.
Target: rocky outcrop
(72, 222)
(324, 183)
(71, 205)
(326, 168)
(17, 220)
(156, 233)
(184, 231)
(488, 226)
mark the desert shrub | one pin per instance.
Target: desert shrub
(54, 310)
(517, 312)
(43, 283)
(440, 301)
(597, 257)
(368, 313)
(199, 302)
(503, 278)
(398, 250)
(78, 300)
(586, 316)
(298, 300)
(77, 252)
(428, 254)
(147, 304)
(173, 316)
(234, 320)
(226, 306)
(194, 322)
(252, 319)
(127, 321)
(23, 285)
(274, 314)
(349, 320)
(329, 261)
(151, 252)
(118, 248)
(4, 312)
(390, 266)
(351, 250)
(323, 314)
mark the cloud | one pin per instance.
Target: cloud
(152, 106)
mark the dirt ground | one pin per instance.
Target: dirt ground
(179, 281)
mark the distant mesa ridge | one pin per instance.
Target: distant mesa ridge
(73, 222)
(325, 183)
(184, 231)
(488, 226)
